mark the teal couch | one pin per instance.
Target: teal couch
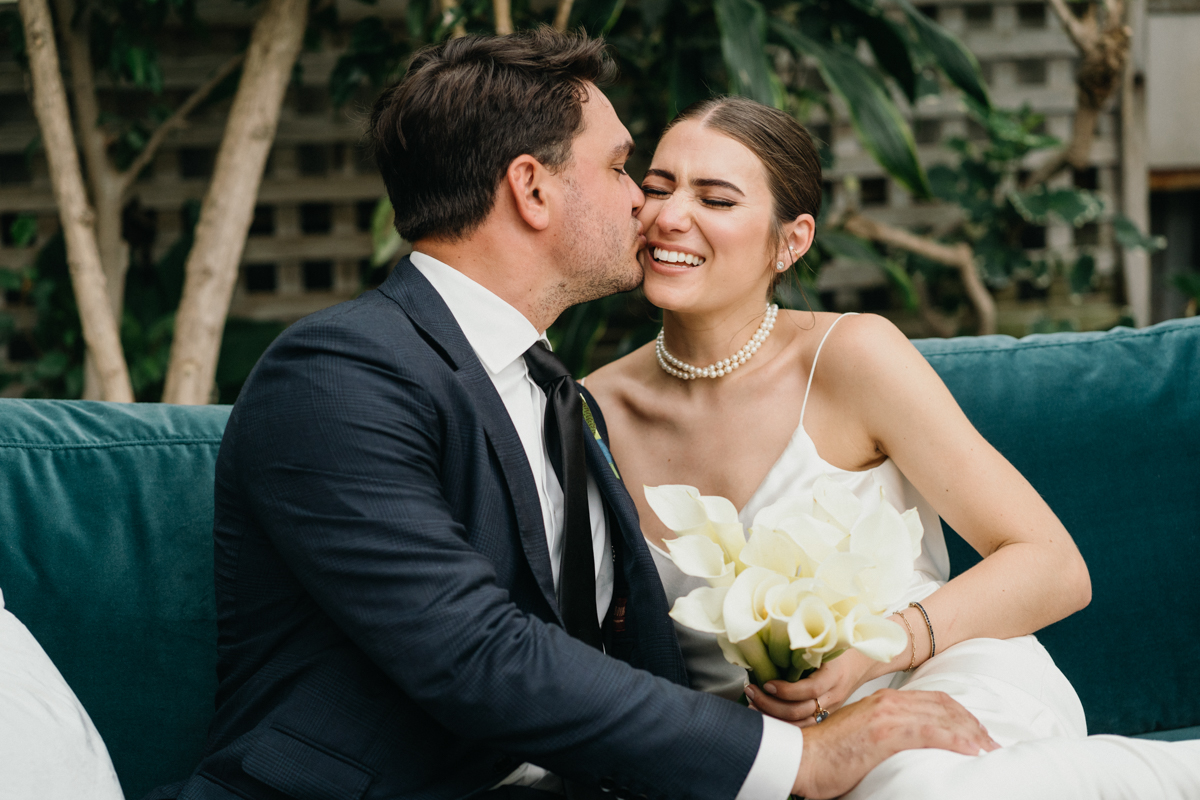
(106, 549)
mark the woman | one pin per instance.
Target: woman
(753, 406)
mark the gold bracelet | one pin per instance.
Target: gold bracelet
(929, 625)
(912, 644)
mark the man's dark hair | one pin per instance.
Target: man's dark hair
(444, 135)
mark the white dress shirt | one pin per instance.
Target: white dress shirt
(500, 335)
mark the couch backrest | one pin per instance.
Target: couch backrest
(1106, 426)
(106, 532)
(106, 555)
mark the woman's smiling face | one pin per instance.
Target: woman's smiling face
(708, 222)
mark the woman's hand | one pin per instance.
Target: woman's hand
(831, 685)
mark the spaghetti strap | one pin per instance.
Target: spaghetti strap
(813, 370)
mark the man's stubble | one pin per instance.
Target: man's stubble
(599, 254)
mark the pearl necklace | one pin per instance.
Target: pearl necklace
(684, 371)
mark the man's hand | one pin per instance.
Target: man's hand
(839, 752)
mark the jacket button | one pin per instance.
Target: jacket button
(607, 784)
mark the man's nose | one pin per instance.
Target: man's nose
(636, 195)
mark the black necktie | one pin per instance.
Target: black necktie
(565, 446)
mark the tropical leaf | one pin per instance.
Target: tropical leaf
(959, 63)
(880, 126)
(743, 26)
(889, 43)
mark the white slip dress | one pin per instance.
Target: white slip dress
(1012, 685)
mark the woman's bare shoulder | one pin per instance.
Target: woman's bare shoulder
(617, 380)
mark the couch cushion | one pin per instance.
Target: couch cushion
(1106, 426)
(106, 556)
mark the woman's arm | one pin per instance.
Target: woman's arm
(878, 388)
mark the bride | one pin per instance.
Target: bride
(754, 404)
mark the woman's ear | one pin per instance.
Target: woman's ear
(527, 179)
(798, 238)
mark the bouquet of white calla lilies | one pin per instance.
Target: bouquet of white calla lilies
(817, 575)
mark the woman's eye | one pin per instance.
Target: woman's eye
(653, 192)
(714, 203)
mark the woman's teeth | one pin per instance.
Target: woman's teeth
(672, 257)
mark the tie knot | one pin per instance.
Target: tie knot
(544, 366)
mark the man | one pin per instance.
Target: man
(399, 548)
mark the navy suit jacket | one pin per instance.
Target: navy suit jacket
(386, 614)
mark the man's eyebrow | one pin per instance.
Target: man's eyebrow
(623, 149)
(670, 176)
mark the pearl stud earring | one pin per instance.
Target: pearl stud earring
(780, 266)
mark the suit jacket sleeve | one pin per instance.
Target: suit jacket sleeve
(339, 452)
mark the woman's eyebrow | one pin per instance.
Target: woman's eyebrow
(670, 176)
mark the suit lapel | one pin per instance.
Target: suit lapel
(424, 306)
(650, 641)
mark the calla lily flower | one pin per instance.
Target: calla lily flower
(702, 610)
(833, 502)
(872, 635)
(701, 557)
(770, 517)
(687, 513)
(812, 630)
(745, 614)
(819, 540)
(916, 531)
(884, 539)
(775, 551)
(814, 579)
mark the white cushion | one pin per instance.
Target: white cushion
(49, 748)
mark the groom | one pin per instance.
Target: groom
(431, 582)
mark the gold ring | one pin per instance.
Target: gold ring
(821, 713)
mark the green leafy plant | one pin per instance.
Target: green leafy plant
(55, 344)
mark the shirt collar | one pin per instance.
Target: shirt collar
(497, 332)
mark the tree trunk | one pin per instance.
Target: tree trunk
(562, 16)
(225, 216)
(502, 12)
(960, 256)
(106, 187)
(83, 255)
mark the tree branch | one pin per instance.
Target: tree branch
(1081, 33)
(212, 266)
(83, 254)
(960, 256)
(503, 14)
(460, 27)
(83, 87)
(1103, 52)
(562, 16)
(178, 119)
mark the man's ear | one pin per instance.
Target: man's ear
(528, 180)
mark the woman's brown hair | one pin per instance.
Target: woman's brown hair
(782, 144)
